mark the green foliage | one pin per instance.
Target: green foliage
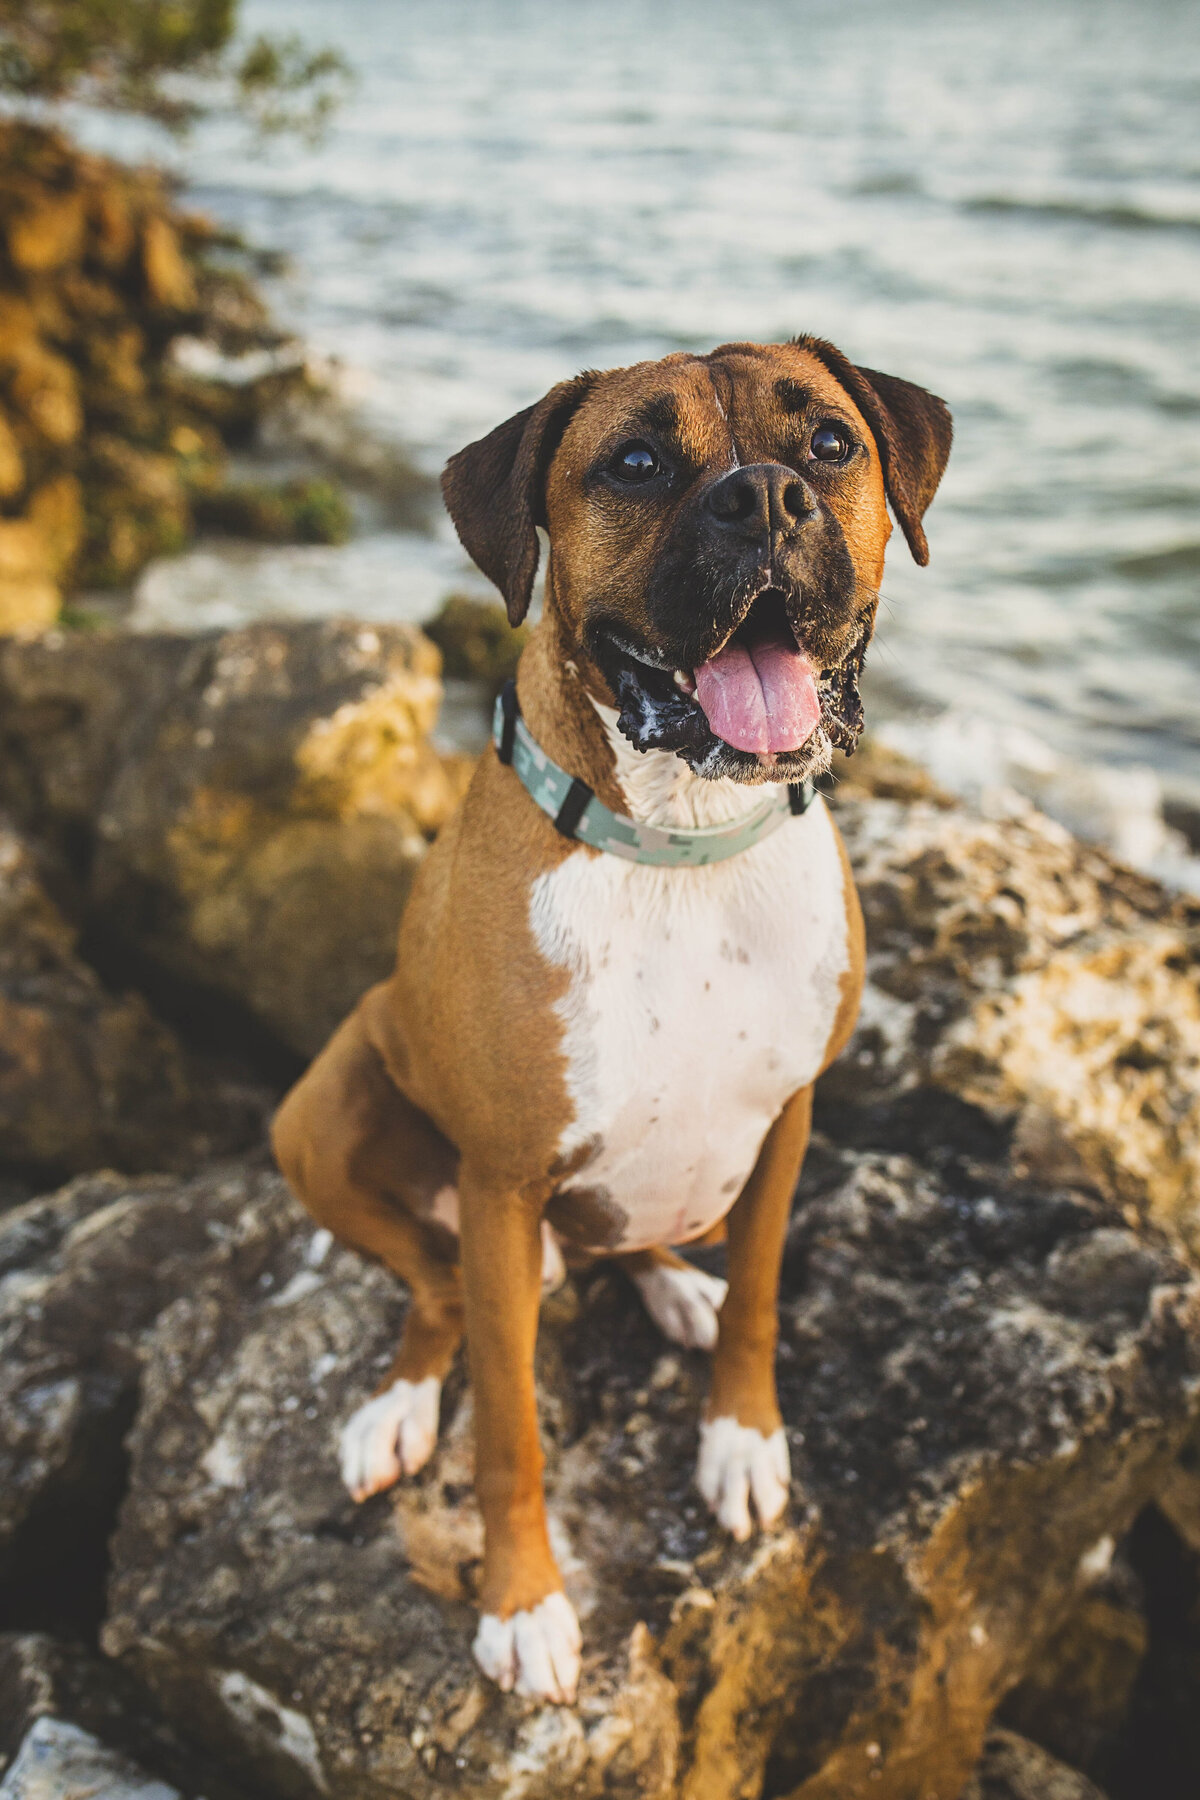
(304, 510)
(129, 54)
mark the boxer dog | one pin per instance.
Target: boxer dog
(627, 958)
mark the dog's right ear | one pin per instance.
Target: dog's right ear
(495, 491)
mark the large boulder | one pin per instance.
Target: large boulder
(87, 1075)
(245, 809)
(983, 1382)
(1024, 990)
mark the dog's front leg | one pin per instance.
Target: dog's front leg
(743, 1450)
(528, 1637)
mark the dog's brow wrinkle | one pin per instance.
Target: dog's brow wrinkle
(791, 395)
(660, 413)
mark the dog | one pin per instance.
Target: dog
(637, 943)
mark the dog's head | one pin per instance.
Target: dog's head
(717, 527)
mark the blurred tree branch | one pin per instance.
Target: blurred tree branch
(170, 60)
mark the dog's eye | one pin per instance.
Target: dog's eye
(830, 444)
(635, 462)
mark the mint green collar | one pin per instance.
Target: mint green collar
(578, 814)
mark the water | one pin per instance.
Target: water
(1002, 203)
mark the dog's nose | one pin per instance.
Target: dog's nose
(760, 500)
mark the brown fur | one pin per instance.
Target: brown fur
(452, 1070)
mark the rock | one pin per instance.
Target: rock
(968, 1432)
(1024, 989)
(102, 277)
(44, 1678)
(88, 1076)
(476, 640)
(879, 772)
(12, 467)
(169, 280)
(1179, 1495)
(254, 802)
(44, 391)
(29, 597)
(1014, 1769)
(45, 230)
(1074, 1697)
(55, 511)
(57, 1761)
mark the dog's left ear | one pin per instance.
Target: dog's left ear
(912, 430)
(495, 491)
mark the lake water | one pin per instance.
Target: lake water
(1000, 202)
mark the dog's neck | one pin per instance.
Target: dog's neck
(659, 788)
(570, 714)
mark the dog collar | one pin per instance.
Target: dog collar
(579, 815)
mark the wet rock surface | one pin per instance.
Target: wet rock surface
(244, 810)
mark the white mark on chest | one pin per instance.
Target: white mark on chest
(699, 1001)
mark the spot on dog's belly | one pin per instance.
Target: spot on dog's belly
(588, 1217)
(699, 1001)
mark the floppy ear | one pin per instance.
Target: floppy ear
(912, 430)
(495, 491)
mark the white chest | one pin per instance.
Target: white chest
(699, 1001)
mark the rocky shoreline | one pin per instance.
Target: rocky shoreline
(990, 1355)
(136, 360)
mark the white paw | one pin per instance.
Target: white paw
(738, 1464)
(535, 1653)
(683, 1303)
(390, 1436)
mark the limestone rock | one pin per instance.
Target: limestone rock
(983, 1381)
(1021, 979)
(88, 1076)
(58, 1761)
(255, 801)
(1014, 1769)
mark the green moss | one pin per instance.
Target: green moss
(304, 511)
(476, 640)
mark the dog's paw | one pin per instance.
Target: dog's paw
(738, 1464)
(390, 1436)
(683, 1302)
(535, 1653)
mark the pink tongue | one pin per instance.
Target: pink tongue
(762, 699)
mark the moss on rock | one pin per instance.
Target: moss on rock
(111, 444)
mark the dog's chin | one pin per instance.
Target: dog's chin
(656, 713)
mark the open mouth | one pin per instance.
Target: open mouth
(759, 708)
(759, 692)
